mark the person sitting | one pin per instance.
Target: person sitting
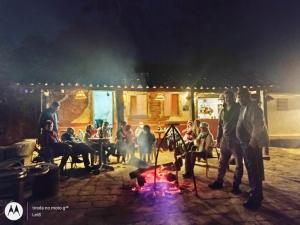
(49, 140)
(78, 148)
(145, 140)
(202, 149)
(196, 127)
(104, 131)
(189, 135)
(88, 134)
(108, 147)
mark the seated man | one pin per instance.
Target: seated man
(202, 149)
(78, 148)
(104, 131)
(53, 147)
(108, 147)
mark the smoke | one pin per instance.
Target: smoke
(94, 47)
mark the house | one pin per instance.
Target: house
(83, 104)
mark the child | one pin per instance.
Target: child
(146, 140)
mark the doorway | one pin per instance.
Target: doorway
(103, 107)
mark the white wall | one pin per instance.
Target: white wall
(284, 122)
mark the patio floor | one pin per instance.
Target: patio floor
(107, 199)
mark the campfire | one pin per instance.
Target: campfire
(166, 181)
(160, 179)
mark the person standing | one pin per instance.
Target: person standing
(129, 141)
(228, 143)
(252, 133)
(120, 141)
(50, 114)
(137, 132)
(146, 140)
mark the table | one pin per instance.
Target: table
(100, 153)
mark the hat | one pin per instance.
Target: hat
(204, 125)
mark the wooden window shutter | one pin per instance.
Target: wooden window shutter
(282, 104)
(142, 104)
(133, 105)
(174, 104)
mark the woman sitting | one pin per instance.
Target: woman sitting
(202, 149)
(189, 135)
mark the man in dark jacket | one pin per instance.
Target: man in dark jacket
(52, 147)
(78, 148)
(228, 142)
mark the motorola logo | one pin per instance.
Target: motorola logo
(13, 211)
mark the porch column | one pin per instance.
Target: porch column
(261, 94)
(264, 105)
(119, 106)
(192, 106)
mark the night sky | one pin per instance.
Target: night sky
(252, 41)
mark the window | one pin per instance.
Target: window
(133, 105)
(208, 108)
(138, 105)
(171, 105)
(282, 104)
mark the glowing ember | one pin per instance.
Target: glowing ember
(165, 182)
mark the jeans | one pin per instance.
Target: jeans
(226, 151)
(60, 149)
(84, 150)
(254, 165)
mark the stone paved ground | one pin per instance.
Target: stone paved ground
(106, 198)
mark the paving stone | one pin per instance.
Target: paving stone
(107, 198)
(102, 204)
(70, 192)
(80, 205)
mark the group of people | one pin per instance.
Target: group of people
(66, 146)
(242, 133)
(128, 141)
(199, 143)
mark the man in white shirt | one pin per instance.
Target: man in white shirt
(252, 134)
